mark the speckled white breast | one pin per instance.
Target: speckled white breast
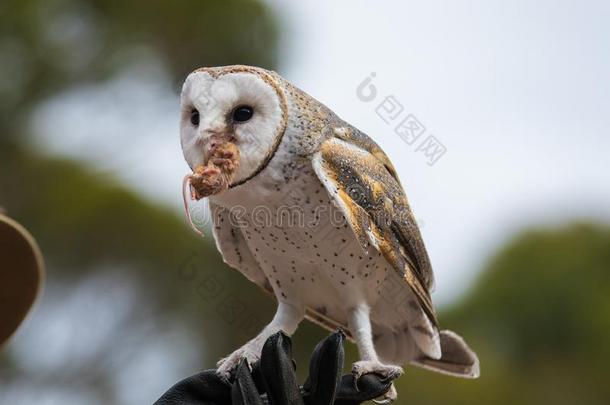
(308, 251)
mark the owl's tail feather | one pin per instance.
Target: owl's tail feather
(457, 358)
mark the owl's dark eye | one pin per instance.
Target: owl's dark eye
(242, 113)
(195, 117)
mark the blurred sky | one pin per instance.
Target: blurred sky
(517, 92)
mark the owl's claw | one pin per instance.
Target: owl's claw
(389, 372)
(230, 363)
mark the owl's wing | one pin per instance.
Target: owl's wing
(364, 185)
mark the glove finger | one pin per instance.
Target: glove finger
(325, 370)
(257, 376)
(205, 388)
(370, 386)
(244, 391)
(278, 371)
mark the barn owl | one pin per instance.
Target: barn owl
(311, 210)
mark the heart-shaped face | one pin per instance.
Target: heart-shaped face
(21, 275)
(232, 117)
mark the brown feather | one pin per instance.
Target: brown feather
(374, 202)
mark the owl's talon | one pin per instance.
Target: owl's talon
(386, 371)
(230, 363)
(356, 384)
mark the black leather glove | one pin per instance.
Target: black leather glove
(273, 380)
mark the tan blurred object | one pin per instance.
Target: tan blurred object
(21, 275)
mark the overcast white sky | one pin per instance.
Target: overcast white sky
(518, 92)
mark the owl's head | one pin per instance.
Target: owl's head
(242, 103)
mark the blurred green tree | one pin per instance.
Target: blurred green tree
(87, 223)
(49, 45)
(539, 317)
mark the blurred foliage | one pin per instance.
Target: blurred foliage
(48, 45)
(86, 223)
(539, 318)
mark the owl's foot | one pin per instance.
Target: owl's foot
(386, 371)
(229, 363)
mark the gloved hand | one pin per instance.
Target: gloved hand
(273, 380)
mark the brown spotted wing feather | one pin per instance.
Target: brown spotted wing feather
(364, 184)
